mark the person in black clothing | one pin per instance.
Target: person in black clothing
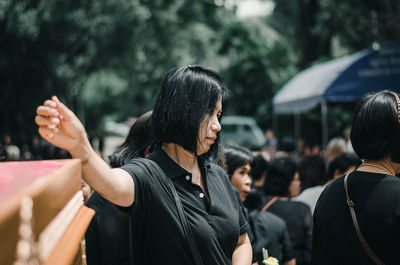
(111, 222)
(339, 166)
(259, 168)
(268, 230)
(186, 124)
(281, 185)
(139, 142)
(373, 191)
(311, 170)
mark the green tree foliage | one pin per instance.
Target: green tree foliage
(312, 26)
(107, 58)
(49, 46)
(247, 73)
(259, 63)
(319, 30)
(175, 32)
(101, 57)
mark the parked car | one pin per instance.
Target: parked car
(243, 131)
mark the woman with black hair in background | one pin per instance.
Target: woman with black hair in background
(268, 230)
(186, 125)
(312, 175)
(281, 185)
(110, 223)
(338, 167)
(373, 192)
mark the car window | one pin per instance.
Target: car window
(229, 127)
(247, 128)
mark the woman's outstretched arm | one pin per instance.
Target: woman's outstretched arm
(60, 126)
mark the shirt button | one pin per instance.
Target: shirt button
(201, 195)
(187, 177)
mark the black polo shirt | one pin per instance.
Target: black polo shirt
(215, 219)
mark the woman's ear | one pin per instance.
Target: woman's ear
(148, 150)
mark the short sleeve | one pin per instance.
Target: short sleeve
(141, 181)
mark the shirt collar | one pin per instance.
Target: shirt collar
(170, 168)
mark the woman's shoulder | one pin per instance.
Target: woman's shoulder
(138, 165)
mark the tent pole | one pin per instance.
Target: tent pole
(324, 121)
(297, 128)
(275, 124)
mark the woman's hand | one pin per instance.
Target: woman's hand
(60, 126)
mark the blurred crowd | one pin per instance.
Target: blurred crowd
(278, 188)
(39, 149)
(282, 183)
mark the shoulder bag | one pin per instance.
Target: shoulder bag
(366, 247)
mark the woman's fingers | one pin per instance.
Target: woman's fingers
(47, 133)
(46, 121)
(50, 103)
(65, 112)
(46, 111)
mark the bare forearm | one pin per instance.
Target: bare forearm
(243, 253)
(113, 184)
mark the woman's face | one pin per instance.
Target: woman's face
(294, 188)
(209, 128)
(241, 180)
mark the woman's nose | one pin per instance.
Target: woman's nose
(215, 126)
(247, 180)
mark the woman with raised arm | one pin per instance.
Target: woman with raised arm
(186, 124)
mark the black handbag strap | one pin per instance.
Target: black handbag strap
(186, 228)
(185, 225)
(364, 243)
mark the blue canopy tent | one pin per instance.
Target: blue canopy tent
(345, 79)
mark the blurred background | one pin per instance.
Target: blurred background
(106, 59)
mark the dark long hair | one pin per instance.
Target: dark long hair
(139, 138)
(186, 96)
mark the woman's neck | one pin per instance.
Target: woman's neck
(181, 156)
(384, 166)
